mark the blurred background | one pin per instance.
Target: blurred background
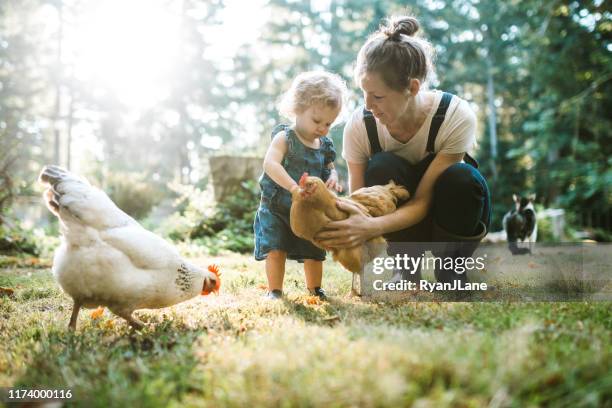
(168, 104)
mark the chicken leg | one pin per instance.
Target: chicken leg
(133, 321)
(75, 314)
(356, 285)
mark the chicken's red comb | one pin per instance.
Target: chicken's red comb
(302, 182)
(214, 269)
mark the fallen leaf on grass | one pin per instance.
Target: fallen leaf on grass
(15, 261)
(262, 286)
(96, 314)
(7, 292)
(313, 300)
(39, 263)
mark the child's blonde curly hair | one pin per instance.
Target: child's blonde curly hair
(313, 88)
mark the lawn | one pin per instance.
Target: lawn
(237, 349)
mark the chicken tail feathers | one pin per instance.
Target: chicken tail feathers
(398, 191)
(51, 176)
(52, 201)
(71, 196)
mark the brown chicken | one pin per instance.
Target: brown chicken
(380, 200)
(314, 206)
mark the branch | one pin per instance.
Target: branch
(580, 95)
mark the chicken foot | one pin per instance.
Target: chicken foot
(133, 321)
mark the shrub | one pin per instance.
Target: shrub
(232, 220)
(15, 239)
(226, 225)
(132, 193)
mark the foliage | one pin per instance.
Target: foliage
(23, 94)
(7, 188)
(236, 212)
(551, 123)
(14, 239)
(218, 226)
(237, 349)
(545, 231)
(548, 66)
(132, 193)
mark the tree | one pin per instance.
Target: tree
(22, 101)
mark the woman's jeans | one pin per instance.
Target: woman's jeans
(458, 218)
(461, 198)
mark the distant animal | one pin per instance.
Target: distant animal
(521, 224)
(107, 259)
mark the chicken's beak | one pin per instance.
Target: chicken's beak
(210, 284)
(309, 190)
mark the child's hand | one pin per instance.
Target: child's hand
(332, 182)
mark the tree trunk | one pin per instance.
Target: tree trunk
(58, 87)
(69, 130)
(492, 117)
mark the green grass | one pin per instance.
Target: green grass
(240, 350)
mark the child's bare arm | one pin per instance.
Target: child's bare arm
(332, 182)
(272, 162)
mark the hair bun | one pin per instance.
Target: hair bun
(397, 26)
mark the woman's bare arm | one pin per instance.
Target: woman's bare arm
(356, 173)
(358, 228)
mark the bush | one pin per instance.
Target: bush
(232, 220)
(545, 232)
(132, 193)
(15, 239)
(227, 225)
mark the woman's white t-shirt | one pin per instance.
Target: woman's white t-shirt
(456, 135)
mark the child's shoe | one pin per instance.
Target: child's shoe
(275, 294)
(320, 293)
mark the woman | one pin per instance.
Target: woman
(418, 138)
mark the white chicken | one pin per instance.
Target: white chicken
(106, 258)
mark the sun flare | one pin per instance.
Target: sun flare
(128, 47)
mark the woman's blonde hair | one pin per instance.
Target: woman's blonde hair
(397, 54)
(313, 88)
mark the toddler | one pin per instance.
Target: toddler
(313, 103)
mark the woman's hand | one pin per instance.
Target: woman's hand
(353, 231)
(332, 182)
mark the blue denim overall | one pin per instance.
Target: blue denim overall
(271, 227)
(461, 197)
(461, 207)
